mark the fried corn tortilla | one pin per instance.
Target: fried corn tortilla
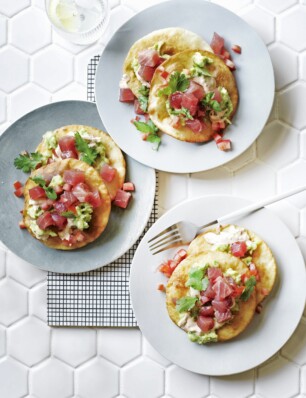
(176, 289)
(262, 257)
(112, 152)
(100, 214)
(173, 40)
(157, 103)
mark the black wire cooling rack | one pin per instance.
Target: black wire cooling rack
(100, 297)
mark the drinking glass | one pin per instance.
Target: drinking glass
(79, 21)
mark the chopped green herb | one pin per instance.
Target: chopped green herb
(209, 102)
(145, 127)
(249, 287)
(39, 181)
(177, 82)
(186, 303)
(28, 162)
(51, 194)
(155, 139)
(149, 128)
(88, 154)
(184, 112)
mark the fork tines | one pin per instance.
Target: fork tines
(169, 235)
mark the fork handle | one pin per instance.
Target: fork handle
(258, 205)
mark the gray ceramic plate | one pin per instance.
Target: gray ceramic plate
(268, 331)
(254, 77)
(124, 226)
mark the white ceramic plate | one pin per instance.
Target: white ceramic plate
(124, 226)
(254, 75)
(267, 332)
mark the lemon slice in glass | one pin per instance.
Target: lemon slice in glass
(65, 15)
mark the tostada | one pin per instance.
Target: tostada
(247, 246)
(193, 95)
(67, 205)
(207, 297)
(91, 145)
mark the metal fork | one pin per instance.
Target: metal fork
(182, 232)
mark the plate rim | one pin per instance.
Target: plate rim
(270, 71)
(299, 314)
(150, 170)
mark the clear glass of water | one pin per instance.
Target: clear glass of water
(79, 21)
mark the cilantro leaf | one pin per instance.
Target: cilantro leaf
(88, 154)
(209, 102)
(154, 139)
(150, 129)
(145, 127)
(249, 287)
(186, 303)
(51, 194)
(177, 82)
(184, 112)
(39, 181)
(182, 82)
(28, 162)
(165, 91)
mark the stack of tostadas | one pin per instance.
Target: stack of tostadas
(78, 209)
(215, 291)
(192, 93)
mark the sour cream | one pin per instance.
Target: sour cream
(227, 236)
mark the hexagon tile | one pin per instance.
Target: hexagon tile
(38, 66)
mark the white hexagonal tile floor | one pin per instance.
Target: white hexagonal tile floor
(13, 298)
(291, 108)
(28, 341)
(273, 379)
(3, 31)
(13, 378)
(262, 21)
(278, 145)
(182, 383)
(237, 386)
(97, 375)
(293, 28)
(10, 8)
(285, 72)
(74, 348)
(14, 69)
(276, 6)
(36, 361)
(52, 68)
(30, 30)
(151, 375)
(26, 99)
(119, 346)
(51, 378)
(23, 272)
